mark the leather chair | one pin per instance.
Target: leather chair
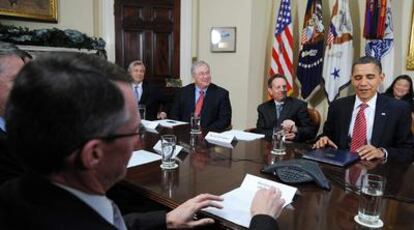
(315, 117)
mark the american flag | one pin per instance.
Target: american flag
(282, 53)
(332, 35)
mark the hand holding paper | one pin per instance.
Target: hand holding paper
(267, 202)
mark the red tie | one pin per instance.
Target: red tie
(199, 104)
(359, 134)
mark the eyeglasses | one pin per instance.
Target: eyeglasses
(140, 131)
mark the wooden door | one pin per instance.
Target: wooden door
(149, 30)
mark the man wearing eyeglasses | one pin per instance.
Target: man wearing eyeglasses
(72, 121)
(11, 61)
(285, 112)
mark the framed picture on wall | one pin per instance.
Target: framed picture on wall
(39, 10)
(410, 58)
(223, 39)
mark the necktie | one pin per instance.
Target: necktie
(137, 94)
(279, 108)
(118, 219)
(359, 133)
(199, 104)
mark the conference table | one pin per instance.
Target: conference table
(209, 168)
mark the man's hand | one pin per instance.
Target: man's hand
(267, 202)
(183, 215)
(162, 115)
(290, 129)
(369, 152)
(324, 142)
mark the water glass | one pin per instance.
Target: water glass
(278, 141)
(167, 150)
(195, 124)
(370, 200)
(141, 111)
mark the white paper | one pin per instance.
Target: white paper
(158, 149)
(168, 123)
(219, 139)
(141, 157)
(150, 126)
(236, 203)
(242, 135)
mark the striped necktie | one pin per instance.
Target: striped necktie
(359, 133)
(199, 104)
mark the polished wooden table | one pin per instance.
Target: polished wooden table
(207, 168)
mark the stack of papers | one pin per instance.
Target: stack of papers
(242, 135)
(141, 157)
(219, 139)
(236, 203)
(168, 123)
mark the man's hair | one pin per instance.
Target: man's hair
(270, 80)
(196, 64)
(367, 60)
(9, 50)
(58, 103)
(135, 63)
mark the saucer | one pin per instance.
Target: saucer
(379, 223)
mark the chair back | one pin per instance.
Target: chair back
(315, 116)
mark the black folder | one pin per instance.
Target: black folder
(332, 156)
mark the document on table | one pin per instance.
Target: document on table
(219, 139)
(168, 123)
(150, 126)
(242, 135)
(236, 203)
(158, 148)
(141, 157)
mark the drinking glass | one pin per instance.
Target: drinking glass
(370, 201)
(141, 111)
(167, 150)
(195, 124)
(278, 141)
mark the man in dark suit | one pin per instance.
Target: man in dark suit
(281, 111)
(373, 125)
(11, 61)
(146, 94)
(204, 99)
(72, 121)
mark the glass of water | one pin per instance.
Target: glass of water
(278, 141)
(141, 111)
(195, 124)
(370, 201)
(167, 148)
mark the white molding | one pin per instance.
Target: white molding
(185, 41)
(107, 17)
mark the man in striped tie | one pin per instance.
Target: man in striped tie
(369, 124)
(204, 99)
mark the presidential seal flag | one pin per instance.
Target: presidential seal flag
(338, 51)
(309, 69)
(282, 50)
(380, 39)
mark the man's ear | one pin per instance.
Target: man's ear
(382, 76)
(270, 91)
(91, 154)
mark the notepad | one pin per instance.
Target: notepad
(332, 156)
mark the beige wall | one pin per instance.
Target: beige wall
(243, 73)
(72, 14)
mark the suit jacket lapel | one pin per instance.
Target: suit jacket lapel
(144, 95)
(347, 110)
(379, 121)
